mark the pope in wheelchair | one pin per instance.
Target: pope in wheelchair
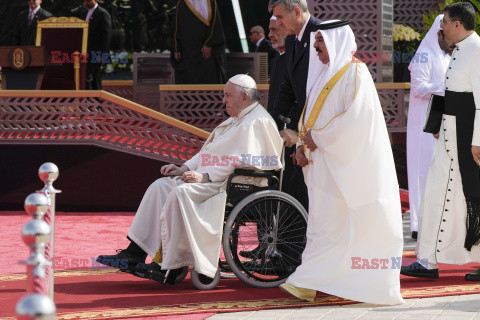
(182, 218)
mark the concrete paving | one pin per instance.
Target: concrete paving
(440, 308)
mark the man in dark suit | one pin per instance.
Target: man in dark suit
(262, 44)
(277, 37)
(294, 18)
(25, 33)
(99, 35)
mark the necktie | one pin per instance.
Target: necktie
(298, 45)
(30, 17)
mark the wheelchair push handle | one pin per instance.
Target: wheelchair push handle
(285, 121)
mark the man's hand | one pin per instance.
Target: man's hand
(308, 141)
(206, 52)
(300, 158)
(172, 170)
(476, 154)
(289, 136)
(177, 55)
(436, 135)
(193, 176)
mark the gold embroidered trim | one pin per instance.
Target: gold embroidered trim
(312, 118)
(354, 95)
(214, 20)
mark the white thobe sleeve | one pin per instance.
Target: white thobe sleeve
(475, 78)
(192, 164)
(422, 84)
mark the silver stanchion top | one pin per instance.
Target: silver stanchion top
(36, 232)
(36, 204)
(48, 172)
(36, 306)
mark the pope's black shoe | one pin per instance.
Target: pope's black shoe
(153, 271)
(417, 270)
(123, 260)
(473, 276)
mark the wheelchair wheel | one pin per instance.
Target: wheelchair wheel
(181, 276)
(264, 238)
(202, 282)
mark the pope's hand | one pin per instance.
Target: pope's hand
(289, 136)
(193, 176)
(300, 158)
(206, 52)
(476, 154)
(308, 141)
(177, 55)
(436, 135)
(172, 170)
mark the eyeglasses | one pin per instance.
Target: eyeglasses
(446, 20)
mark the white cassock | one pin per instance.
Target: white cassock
(427, 72)
(443, 210)
(354, 207)
(185, 220)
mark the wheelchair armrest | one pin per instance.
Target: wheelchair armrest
(253, 173)
(270, 175)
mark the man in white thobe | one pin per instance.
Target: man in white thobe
(354, 231)
(449, 220)
(180, 219)
(427, 71)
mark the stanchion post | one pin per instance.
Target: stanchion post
(35, 234)
(48, 173)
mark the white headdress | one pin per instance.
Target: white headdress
(430, 46)
(340, 43)
(244, 81)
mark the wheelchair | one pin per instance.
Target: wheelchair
(264, 233)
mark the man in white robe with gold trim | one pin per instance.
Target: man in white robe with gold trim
(180, 219)
(354, 232)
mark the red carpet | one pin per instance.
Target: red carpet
(106, 294)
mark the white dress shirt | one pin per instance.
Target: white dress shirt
(90, 12)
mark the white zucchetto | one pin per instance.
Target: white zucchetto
(244, 81)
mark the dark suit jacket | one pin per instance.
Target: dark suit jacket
(24, 34)
(99, 30)
(266, 46)
(276, 77)
(291, 98)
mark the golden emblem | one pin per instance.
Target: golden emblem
(19, 58)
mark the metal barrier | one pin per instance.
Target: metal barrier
(36, 234)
